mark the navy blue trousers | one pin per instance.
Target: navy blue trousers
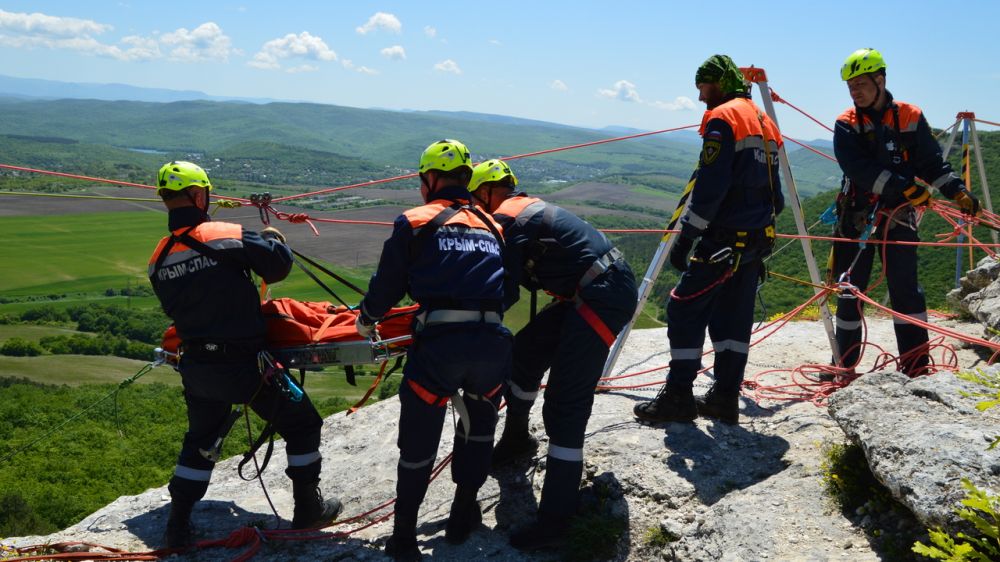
(210, 391)
(905, 293)
(473, 357)
(726, 308)
(560, 340)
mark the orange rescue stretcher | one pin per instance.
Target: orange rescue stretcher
(312, 335)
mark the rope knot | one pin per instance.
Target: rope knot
(243, 536)
(298, 218)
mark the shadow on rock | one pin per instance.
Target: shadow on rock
(211, 519)
(722, 458)
(516, 503)
(600, 530)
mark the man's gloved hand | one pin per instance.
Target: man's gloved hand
(679, 253)
(270, 233)
(364, 326)
(967, 202)
(917, 195)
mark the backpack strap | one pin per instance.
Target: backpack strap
(432, 226)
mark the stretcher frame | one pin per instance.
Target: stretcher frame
(317, 356)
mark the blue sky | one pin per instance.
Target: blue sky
(582, 63)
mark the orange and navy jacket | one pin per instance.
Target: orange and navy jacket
(548, 247)
(736, 184)
(882, 160)
(459, 267)
(209, 299)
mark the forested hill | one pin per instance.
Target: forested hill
(341, 144)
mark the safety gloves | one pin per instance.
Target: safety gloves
(967, 202)
(364, 325)
(679, 253)
(271, 233)
(917, 195)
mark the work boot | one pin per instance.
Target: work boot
(545, 534)
(671, 404)
(402, 545)
(179, 532)
(516, 442)
(311, 510)
(723, 406)
(464, 517)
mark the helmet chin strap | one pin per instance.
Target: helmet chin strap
(878, 93)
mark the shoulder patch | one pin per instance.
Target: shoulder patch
(710, 151)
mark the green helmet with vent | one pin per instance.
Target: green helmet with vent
(445, 155)
(861, 62)
(491, 171)
(179, 175)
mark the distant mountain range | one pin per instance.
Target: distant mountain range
(54, 89)
(34, 88)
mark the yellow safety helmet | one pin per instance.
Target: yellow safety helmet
(179, 175)
(861, 62)
(490, 171)
(445, 155)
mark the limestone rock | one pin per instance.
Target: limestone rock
(921, 436)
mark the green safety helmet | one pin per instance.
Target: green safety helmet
(721, 70)
(445, 155)
(180, 175)
(861, 62)
(491, 170)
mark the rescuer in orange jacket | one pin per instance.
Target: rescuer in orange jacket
(551, 249)
(883, 146)
(201, 274)
(731, 211)
(448, 256)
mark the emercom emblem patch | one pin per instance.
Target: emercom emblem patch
(710, 151)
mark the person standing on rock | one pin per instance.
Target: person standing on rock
(201, 274)
(551, 249)
(730, 214)
(448, 256)
(883, 146)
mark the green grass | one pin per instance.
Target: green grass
(76, 370)
(32, 332)
(76, 253)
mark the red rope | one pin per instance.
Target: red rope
(987, 122)
(99, 180)
(515, 157)
(807, 147)
(779, 99)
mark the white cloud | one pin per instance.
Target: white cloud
(28, 31)
(448, 65)
(381, 20)
(304, 45)
(366, 70)
(396, 52)
(559, 85)
(623, 90)
(680, 103)
(205, 42)
(348, 64)
(430, 31)
(42, 24)
(495, 42)
(302, 68)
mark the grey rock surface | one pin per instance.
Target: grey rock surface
(748, 492)
(921, 436)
